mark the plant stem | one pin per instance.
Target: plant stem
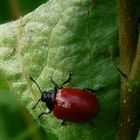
(128, 99)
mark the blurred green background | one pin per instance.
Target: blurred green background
(13, 9)
(15, 121)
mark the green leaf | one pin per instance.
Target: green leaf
(3, 83)
(138, 137)
(58, 37)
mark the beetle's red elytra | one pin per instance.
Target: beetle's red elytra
(75, 105)
(69, 104)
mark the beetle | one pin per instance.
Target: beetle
(69, 104)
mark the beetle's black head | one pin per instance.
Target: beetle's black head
(48, 97)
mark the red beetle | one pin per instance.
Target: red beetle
(70, 104)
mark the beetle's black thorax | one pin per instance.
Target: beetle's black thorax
(49, 98)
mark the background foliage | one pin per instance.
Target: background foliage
(58, 37)
(12, 9)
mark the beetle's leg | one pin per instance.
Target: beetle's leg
(97, 90)
(91, 123)
(90, 90)
(36, 104)
(63, 123)
(67, 81)
(44, 113)
(56, 87)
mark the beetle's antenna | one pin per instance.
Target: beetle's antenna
(36, 104)
(53, 82)
(36, 84)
